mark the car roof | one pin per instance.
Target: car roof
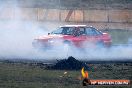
(74, 26)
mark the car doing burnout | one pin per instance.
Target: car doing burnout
(76, 35)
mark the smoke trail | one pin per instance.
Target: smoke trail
(16, 37)
(119, 53)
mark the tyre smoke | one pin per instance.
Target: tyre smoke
(17, 35)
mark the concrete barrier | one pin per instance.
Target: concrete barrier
(106, 19)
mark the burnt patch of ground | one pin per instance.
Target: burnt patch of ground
(69, 64)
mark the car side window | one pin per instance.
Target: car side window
(90, 31)
(82, 31)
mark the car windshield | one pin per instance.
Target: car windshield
(77, 31)
(64, 31)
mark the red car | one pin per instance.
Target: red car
(76, 35)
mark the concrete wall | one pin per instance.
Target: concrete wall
(103, 19)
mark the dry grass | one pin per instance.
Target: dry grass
(17, 75)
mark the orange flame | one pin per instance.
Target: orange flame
(84, 73)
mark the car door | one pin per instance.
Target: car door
(92, 35)
(80, 36)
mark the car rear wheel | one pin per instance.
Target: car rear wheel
(67, 42)
(100, 44)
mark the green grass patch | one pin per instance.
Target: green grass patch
(120, 36)
(19, 75)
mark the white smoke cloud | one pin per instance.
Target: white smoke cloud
(105, 54)
(16, 37)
